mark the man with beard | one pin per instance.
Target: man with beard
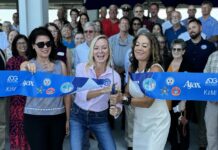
(173, 32)
(197, 53)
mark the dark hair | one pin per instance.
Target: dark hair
(195, 20)
(131, 25)
(123, 18)
(178, 41)
(156, 4)
(80, 28)
(154, 56)
(40, 31)
(161, 30)
(59, 40)
(74, 10)
(14, 50)
(206, 2)
(101, 31)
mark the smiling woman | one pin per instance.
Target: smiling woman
(16, 131)
(90, 108)
(46, 120)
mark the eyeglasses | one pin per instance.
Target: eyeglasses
(177, 49)
(89, 31)
(42, 44)
(136, 24)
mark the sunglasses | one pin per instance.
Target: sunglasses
(89, 31)
(177, 49)
(42, 44)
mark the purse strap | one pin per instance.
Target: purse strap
(3, 57)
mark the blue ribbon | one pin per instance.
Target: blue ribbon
(164, 85)
(178, 86)
(43, 84)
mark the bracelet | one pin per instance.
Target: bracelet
(127, 100)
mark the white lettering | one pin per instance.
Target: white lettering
(211, 81)
(191, 85)
(12, 79)
(11, 89)
(210, 92)
(27, 83)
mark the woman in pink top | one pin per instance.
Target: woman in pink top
(90, 108)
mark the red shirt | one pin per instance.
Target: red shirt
(110, 28)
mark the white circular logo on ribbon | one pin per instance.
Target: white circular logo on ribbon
(149, 84)
(66, 87)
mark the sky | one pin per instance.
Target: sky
(6, 14)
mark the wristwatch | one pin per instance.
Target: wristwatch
(126, 100)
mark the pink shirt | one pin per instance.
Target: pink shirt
(99, 103)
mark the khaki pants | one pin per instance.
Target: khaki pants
(3, 122)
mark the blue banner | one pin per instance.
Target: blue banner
(178, 86)
(43, 84)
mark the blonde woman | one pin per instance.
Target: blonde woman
(90, 108)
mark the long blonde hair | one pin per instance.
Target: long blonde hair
(91, 60)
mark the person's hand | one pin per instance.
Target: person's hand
(28, 66)
(116, 98)
(180, 107)
(67, 126)
(115, 111)
(106, 90)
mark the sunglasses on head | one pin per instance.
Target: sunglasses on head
(42, 44)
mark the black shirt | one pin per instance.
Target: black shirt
(196, 55)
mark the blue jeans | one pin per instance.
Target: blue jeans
(97, 122)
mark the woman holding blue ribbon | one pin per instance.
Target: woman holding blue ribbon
(46, 120)
(151, 118)
(90, 107)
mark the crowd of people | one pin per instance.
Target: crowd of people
(110, 48)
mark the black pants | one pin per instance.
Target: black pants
(176, 129)
(45, 132)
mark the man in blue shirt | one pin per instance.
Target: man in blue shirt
(120, 43)
(209, 24)
(173, 32)
(82, 50)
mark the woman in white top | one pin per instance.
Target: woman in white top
(152, 119)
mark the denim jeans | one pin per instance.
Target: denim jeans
(97, 122)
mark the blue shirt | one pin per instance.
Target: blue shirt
(119, 48)
(3, 41)
(196, 55)
(171, 34)
(209, 26)
(68, 44)
(81, 53)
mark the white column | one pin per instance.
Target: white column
(32, 14)
(93, 14)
